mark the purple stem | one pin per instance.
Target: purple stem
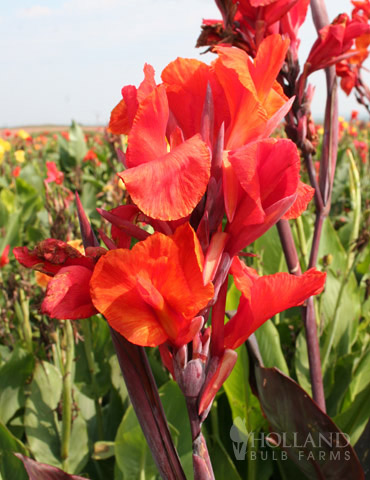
(145, 399)
(201, 462)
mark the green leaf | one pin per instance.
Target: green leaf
(43, 427)
(269, 345)
(243, 403)
(132, 452)
(269, 247)
(77, 146)
(222, 464)
(31, 174)
(13, 377)
(353, 421)
(12, 235)
(8, 199)
(331, 245)
(301, 363)
(10, 466)
(103, 450)
(348, 313)
(41, 417)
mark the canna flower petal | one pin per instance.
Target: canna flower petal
(334, 42)
(148, 298)
(124, 112)
(50, 255)
(305, 194)
(147, 139)
(268, 173)
(68, 294)
(170, 187)
(263, 297)
(186, 82)
(251, 90)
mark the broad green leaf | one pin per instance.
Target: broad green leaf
(43, 427)
(268, 247)
(347, 316)
(330, 245)
(13, 377)
(353, 420)
(223, 466)
(103, 450)
(102, 350)
(31, 174)
(8, 200)
(243, 403)
(41, 417)
(10, 466)
(77, 146)
(361, 376)
(336, 381)
(269, 345)
(78, 453)
(301, 364)
(131, 450)
(12, 231)
(133, 456)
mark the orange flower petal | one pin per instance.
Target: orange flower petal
(153, 292)
(147, 139)
(263, 297)
(170, 187)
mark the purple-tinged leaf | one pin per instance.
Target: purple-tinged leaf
(87, 234)
(207, 120)
(310, 438)
(124, 225)
(121, 157)
(42, 471)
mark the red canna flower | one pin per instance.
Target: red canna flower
(154, 292)
(67, 294)
(267, 185)
(334, 43)
(124, 112)
(4, 258)
(263, 297)
(53, 174)
(16, 171)
(90, 155)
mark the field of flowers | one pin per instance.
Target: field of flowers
(52, 372)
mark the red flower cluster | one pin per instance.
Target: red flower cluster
(349, 68)
(202, 172)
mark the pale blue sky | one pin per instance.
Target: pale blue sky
(68, 59)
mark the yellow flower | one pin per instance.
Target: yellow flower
(5, 144)
(19, 156)
(4, 147)
(23, 134)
